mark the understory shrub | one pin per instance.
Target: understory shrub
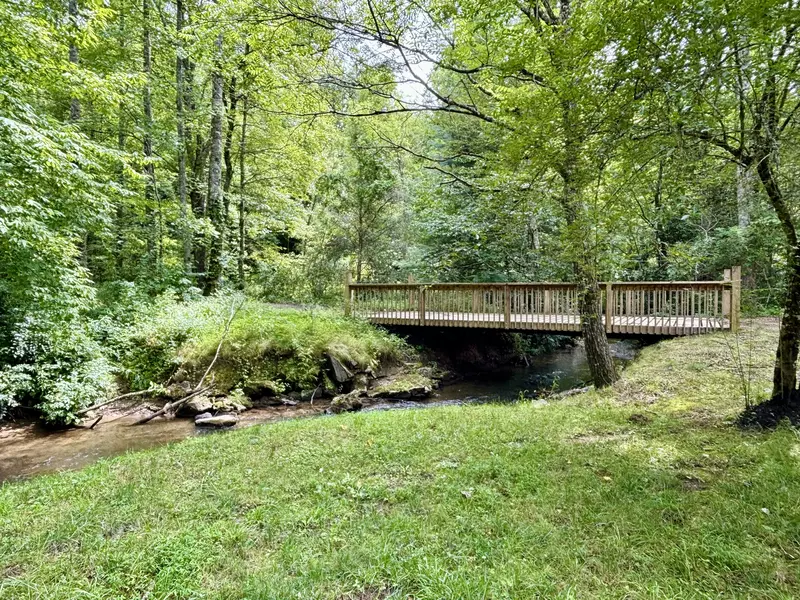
(54, 365)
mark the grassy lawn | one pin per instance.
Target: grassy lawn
(645, 490)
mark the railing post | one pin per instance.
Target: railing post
(736, 297)
(347, 293)
(421, 305)
(507, 316)
(726, 296)
(609, 308)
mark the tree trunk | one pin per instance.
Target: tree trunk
(181, 131)
(744, 194)
(120, 219)
(215, 196)
(198, 154)
(227, 155)
(147, 143)
(598, 354)
(121, 139)
(242, 205)
(784, 380)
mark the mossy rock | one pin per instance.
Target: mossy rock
(407, 385)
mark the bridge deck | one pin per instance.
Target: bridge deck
(643, 325)
(634, 308)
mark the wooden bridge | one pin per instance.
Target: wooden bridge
(663, 308)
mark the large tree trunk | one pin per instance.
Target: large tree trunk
(784, 380)
(215, 196)
(180, 63)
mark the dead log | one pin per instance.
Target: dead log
(172, 406)
(84, 411)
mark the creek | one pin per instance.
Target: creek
(28, 449)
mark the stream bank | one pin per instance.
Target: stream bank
(28, 449)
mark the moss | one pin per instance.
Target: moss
(400, 384)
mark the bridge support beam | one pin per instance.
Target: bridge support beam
(347, 293)
(421, 305)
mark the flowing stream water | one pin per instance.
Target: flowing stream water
(27, 449)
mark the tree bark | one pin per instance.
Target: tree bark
(784, 380)
(198, 154)
(227, 155)
(598, 354)
(147, 140)
(242, 203)
(215, 196)
(744, 194)
(121, 140)
(180, 63)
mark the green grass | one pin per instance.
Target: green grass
(572, 499)
(285, 346)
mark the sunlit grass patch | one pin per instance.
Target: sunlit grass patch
(601, 495)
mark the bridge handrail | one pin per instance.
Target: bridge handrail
(625, 306)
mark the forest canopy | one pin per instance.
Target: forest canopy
(154, 151)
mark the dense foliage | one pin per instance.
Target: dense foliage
(163, 149)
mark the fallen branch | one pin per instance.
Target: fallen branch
(84, 411)
(171, 406)
(234, 311)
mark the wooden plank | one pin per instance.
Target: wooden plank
(507, 306)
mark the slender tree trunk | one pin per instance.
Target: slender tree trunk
(227, 155)
(198, 154)
(598, 354)
(744, 172)
(75, 104)
(242, 203)
(120, 219)
(215, 196)
(147, 144)
(744, 194)
(121, 138)
(180, 63)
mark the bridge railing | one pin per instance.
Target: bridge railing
(657, 308)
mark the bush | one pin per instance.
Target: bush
(56, 366)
